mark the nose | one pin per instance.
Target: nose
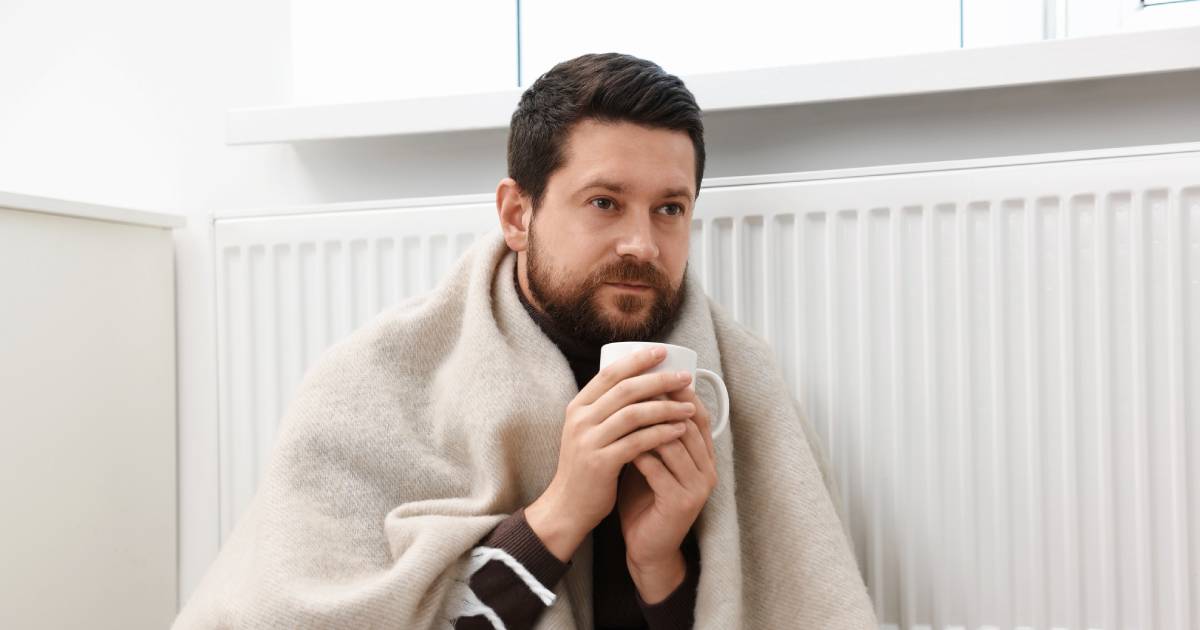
(637, 238)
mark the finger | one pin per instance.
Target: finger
(675, 455)
(635, 389)
(625, 449)
(661, 481)
(693, 440)
(638, 415)
(617, 371)
(701, 417)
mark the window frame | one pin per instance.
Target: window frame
(1099, 17)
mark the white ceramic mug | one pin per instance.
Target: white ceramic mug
(678, 359)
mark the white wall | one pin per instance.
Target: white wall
(123, 103)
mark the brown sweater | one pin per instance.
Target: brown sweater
(616, 601)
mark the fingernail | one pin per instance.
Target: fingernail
(658, 352)
(683, 376)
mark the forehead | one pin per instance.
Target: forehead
(641, 160)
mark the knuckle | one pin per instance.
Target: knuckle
(626, 417)
(609, 372)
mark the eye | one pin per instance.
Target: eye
(679, 210)
(604, 200)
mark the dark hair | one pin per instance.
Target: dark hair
(609, 87)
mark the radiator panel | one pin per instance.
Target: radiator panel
(1003, 363)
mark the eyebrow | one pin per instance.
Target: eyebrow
(618, 188)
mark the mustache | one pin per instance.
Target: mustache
(629, 272)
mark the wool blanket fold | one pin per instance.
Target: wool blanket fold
(408, 441)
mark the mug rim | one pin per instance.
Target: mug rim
(654, 343)
(657, 343)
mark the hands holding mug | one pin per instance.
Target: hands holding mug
(640, 409)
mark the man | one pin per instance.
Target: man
(461, 461)
(609, 187)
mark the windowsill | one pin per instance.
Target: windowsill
(1143, 52)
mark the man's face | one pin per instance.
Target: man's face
(608, 246)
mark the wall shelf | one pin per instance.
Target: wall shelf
(1130, 53)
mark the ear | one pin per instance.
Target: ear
(515, 211)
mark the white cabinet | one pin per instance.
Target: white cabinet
(87, 407)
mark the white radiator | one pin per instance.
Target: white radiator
(1003, 361)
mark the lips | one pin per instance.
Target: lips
(630, 287)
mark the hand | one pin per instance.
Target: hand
(661, 496)
(611, 421)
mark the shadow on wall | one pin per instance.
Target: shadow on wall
(419, 165)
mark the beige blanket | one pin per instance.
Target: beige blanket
(408, 441)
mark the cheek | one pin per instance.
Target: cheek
(675, 261)
(569, 267)
(585, 259)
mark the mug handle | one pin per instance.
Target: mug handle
(722, 399)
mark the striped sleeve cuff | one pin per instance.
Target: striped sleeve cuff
(515, 536)
(512, 581)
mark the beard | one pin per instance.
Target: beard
(579, 311)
